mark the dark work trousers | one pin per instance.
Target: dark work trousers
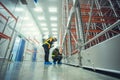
(57, 58)
(46, 49)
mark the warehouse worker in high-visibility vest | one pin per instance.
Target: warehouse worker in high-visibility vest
(56, 56)
(47, 45)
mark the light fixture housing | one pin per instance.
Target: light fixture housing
(52, 9)
(53, 18)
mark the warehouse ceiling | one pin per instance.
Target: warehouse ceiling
(47, 14)
(43, 17)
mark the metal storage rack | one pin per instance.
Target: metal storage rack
(7, 33)
(87, 23)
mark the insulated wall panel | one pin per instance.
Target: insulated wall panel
(103, 56)
(73, 60)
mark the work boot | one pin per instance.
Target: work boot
(59, 62)
(47, 63)
(54, 62)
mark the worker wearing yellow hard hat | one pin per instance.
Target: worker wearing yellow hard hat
(47, 45)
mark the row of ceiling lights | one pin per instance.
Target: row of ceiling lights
(44, 25)
(42, 18)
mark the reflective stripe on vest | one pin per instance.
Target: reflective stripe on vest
(48, 44)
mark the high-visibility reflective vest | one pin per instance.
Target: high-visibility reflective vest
(48, 41)
(47, 44)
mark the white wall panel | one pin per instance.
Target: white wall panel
(73, 60)
(104, 56)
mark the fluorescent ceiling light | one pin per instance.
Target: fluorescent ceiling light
(53, 24)
(54, 29)
(43, 24)
(19, 9)
(28, 25)
(41, 18)
(38, 9)
(27, 29)
(52, 9)
(53, 18)
(46, 33)
(54, 33)
(44, 28)
(25, 18)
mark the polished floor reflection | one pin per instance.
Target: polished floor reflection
(39, 71)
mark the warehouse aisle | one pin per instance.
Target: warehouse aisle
(39, 71)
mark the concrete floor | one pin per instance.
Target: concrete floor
(39, 71)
